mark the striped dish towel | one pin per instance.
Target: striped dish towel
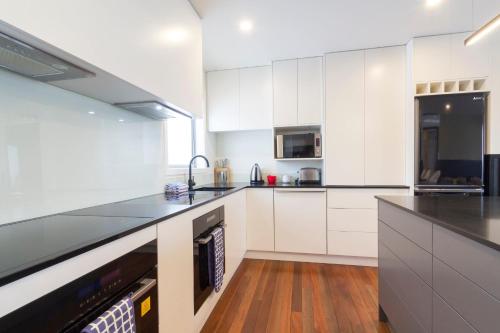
(119, 318)
(216, 265)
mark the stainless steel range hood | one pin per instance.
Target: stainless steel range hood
(29, 61)
(151, 109)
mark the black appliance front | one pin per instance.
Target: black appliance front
(202, 226)
(72, 307)
(492, 175)
(299, 145)
(450, 149)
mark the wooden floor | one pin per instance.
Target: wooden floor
(282, 296)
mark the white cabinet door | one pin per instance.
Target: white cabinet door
(355, 244)
(235, 232)
(161, 52)
(310, 91)
(432, 58)
(223, 100)
(300, 221)
(344, 118)
(175, 274)
(359, 220)
(471, 61)
(260, 219)
(285, 92)
(256, 98)
(385, 73)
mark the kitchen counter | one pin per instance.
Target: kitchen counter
(32, 245)
(477, 218)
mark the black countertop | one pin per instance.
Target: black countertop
(32, 245)
(477, 218)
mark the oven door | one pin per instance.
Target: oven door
(298, 145)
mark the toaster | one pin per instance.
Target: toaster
(309, 176)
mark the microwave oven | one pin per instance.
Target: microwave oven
(298, 145)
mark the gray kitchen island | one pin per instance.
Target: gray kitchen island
(439, 264)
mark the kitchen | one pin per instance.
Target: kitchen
(348, 178)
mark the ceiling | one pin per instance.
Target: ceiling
(300, 28)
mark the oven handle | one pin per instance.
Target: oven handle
(147, 285)
(204, 241)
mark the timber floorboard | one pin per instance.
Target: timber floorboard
(284, 296)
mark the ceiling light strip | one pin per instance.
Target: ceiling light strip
(483, 31)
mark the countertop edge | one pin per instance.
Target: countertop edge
(444, 225)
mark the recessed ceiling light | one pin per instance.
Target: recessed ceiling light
(175, 35)
(121, 120)
(158, 107)
(432, 3)
(246, 25)
(91, 112)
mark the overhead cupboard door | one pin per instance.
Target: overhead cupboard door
(223, 100)
(256, 98)
(285, 92)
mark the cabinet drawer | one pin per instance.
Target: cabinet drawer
(446, 320)
(412, 227)
(359, 198)
(419, 260)
(476, 306)
(477, 262)
(411, 289)
(364, 220)
(397, 312)
(357, 244)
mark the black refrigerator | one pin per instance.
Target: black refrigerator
(450, 144)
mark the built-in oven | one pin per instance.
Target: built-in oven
(202, 228)
(298, 145)
(72, 307)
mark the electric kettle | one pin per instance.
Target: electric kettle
(256, 175)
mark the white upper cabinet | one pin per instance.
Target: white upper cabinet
(432, 58)
(256, 98)
(223, 100)
(285, 92)
(157, 47)
(344, 119)
(385, 74)
(298, 92)
(471, 61)
(310, 91)
(240, 99)
(445, 57)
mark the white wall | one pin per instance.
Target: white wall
(55, 156)
(245, 148)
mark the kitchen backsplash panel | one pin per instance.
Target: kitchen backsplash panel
(61, 151)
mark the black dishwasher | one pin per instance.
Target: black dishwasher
(73, 306)
(202, 226)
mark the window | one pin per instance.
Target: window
(185, 138)
(180, 143)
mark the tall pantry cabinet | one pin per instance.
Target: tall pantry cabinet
(365, 110)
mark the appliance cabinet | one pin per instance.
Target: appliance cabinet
(298, 92)
(260, 219)
(300, 220)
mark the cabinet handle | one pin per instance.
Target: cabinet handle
(301, 190)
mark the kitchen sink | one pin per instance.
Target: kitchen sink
(214, 188)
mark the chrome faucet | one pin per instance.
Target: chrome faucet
(191, 182)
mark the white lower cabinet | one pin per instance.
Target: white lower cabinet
(235, 231)
(260, 219)
(300, 220)
(353, 221)
(175, 274)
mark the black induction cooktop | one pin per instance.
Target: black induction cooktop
(28, 246)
